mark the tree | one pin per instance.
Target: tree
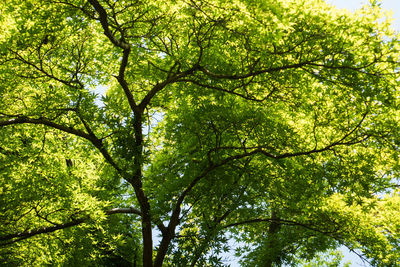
(271, 123)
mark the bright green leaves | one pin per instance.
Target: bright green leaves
(268, 122)
(372, 229)
(48, 179)
(293, 110)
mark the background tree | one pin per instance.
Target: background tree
(273, 123)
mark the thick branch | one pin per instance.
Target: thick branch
(104, 23)
(123, 82)
(43, 121)
(121, 44)
(13, 238)
(124, 210)
(159, 86)
(88, 136)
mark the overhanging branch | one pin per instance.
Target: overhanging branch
(16, 237)
(88, 136)
(43, 121)
(13, 238)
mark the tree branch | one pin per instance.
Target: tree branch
(159, 86)
(43, 121)
(124, 83)
(282, 222)
(16, 237)
(252, 73)
(121, 44)
(124, 210)
(98, 143)
(229, 91)
(45, 73)
(13, 238)
(104, 23)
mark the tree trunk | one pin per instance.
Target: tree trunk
(272, 244)
(147, 242)
(140, 195)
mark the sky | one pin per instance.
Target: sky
(393, 5)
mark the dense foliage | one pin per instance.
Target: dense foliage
(174, 132)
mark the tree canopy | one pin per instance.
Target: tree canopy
(265, 129)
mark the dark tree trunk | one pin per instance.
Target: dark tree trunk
(274, 227)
